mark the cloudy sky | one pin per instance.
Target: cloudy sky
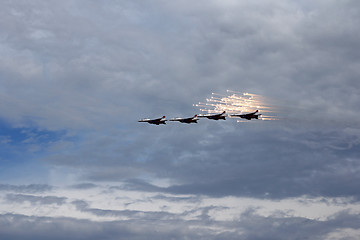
(75, 76)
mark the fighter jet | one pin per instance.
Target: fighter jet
(247, 116)
(215, 116)
(156, 121)
(186, 120)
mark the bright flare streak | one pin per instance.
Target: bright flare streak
(238, 103)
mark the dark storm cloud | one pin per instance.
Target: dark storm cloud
(21, 198)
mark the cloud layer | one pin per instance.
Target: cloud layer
(76, 77)
(111, 213)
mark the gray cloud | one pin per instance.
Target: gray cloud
(83, 206)
(176, 198)
(273, 51)
(21, 198)
(250, 226)
(94, 68)
(81, 186)
(253, 162)
(127, 50)
(281, 227)
(31, 188)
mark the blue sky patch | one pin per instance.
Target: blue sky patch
(22, 144)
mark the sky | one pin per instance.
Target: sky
(76, 76)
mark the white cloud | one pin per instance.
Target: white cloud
(214, 216)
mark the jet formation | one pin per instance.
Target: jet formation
(194, 119)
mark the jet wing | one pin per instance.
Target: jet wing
(247, 116)
(156, 121)
(186, 120)
(215, 116)
(212, 115)
(238, 115)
